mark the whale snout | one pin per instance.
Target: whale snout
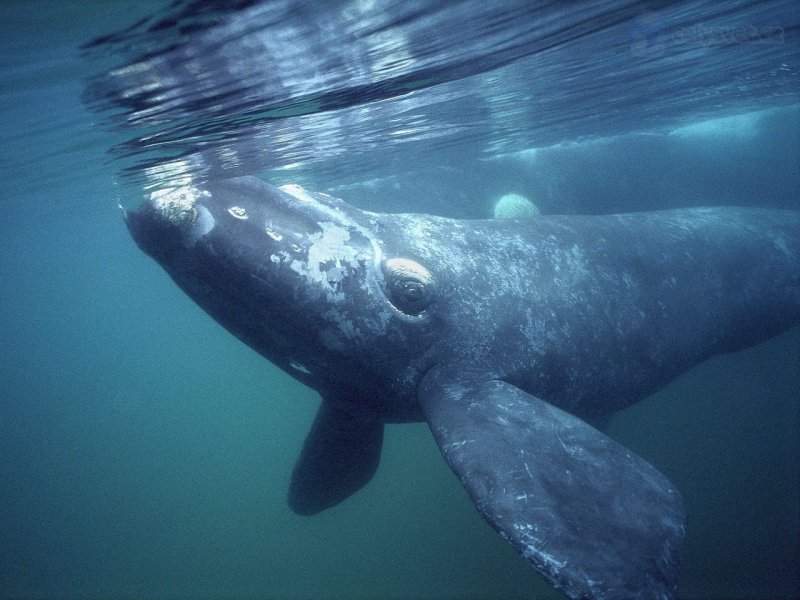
(246, 220)
(168, 220)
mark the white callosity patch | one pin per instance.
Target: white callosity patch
(237, 212)
(177, 205)
(335, 214)
(330, 260)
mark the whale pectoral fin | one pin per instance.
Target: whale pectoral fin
(593, 518)
(340, 455)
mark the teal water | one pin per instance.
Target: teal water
(145, 453)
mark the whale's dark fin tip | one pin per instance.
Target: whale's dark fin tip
(340, 455)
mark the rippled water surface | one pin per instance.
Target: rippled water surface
(343, 86)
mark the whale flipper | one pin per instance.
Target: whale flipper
(340, 455)
(593, 518)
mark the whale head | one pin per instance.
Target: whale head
(299, 276)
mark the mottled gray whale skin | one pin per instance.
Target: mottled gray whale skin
(503, 335)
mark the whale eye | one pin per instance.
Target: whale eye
(409, 285)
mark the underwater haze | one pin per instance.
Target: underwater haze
(146, 453)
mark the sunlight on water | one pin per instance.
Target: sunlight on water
(305, 85)
(743, 126)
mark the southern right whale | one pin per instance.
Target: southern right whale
(504, 335)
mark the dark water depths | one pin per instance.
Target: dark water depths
(146, 453)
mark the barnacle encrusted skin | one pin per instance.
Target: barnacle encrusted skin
(177, 205)
(237, 212)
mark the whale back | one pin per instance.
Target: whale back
(592, 313)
